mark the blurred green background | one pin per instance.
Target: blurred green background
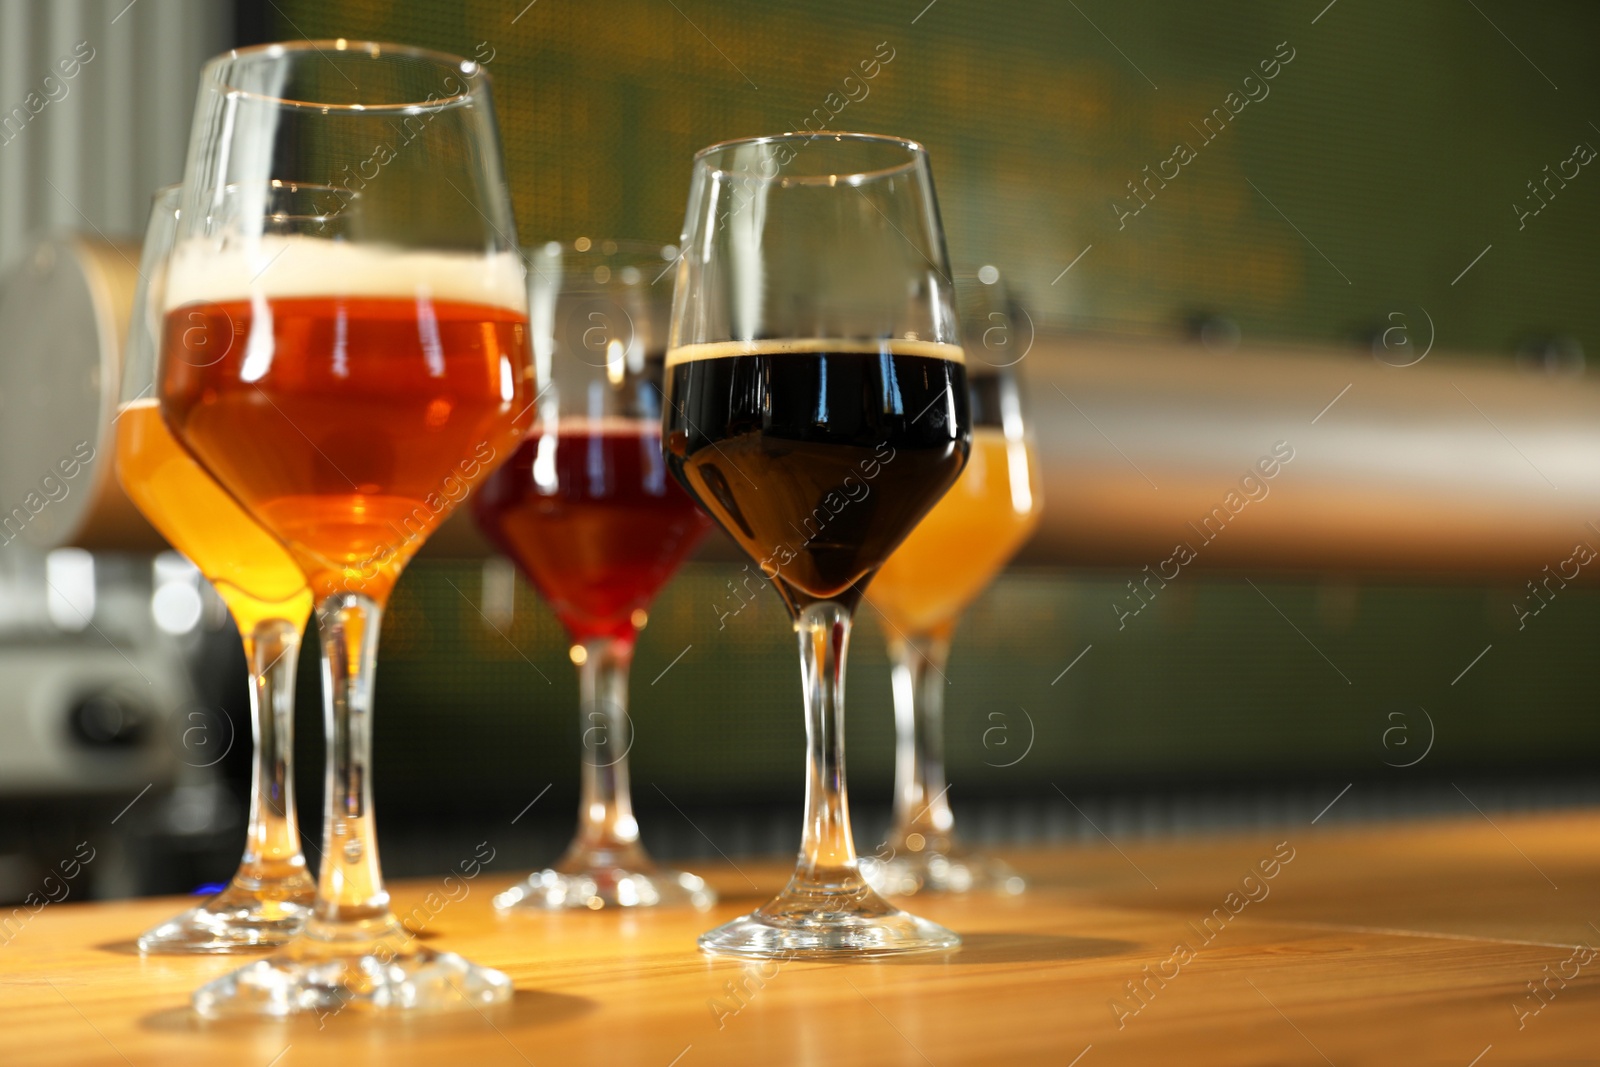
(1396, 140)
(1210, 686)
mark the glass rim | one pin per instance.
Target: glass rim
(471, 71)
(176, 188)
(915, 154)
(626, 247)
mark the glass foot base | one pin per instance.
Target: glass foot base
(416, 979)
(850, 924)
(606, 887)
(237, 919)
(956, 871)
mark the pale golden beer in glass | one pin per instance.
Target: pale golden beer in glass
(959, 546)
(252, 573)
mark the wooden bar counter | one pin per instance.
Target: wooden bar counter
(1442, 942)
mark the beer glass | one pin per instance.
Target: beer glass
(588, 514)
(817, 408)
(955, 551)
(348, 364)
(270, 895)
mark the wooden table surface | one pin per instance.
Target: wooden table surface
(1394, 944)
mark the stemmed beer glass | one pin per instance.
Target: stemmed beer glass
(920, 593)
(586, 510)
(270, 895)
(348, 364)
(817, 408)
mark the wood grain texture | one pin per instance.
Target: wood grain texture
(1401, 944)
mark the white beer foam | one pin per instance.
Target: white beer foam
(283, 266)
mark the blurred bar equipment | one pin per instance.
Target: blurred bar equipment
(102, 649)
(1448, 468)
(112, 717)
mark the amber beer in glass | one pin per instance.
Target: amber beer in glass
(348, 364)
(352, 489)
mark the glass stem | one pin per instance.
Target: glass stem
(272, 841)
(352, 903)
(608, 834)
(827, 849)
(922, 818)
